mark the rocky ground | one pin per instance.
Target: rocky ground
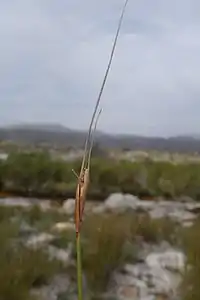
(131, 248)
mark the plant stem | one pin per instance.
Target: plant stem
(79, 267)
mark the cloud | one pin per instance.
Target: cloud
(54, 54)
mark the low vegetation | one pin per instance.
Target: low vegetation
(108, 241)
(111, 240)
(21, 268)
(190, 287)
(36, 174)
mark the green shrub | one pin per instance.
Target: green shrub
(37, 174)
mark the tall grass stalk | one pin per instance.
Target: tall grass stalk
(79, 267)
(83, 178)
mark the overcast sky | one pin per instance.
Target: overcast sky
(53, 57)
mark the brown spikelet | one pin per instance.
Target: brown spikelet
(78, 201)
(84, 192)
(81, 192)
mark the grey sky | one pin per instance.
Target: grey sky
(54, 54)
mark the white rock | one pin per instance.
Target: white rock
(192, 207)
(182, 216)
(158, 212)
(21, 202)
(69, 206)
(129, 287)
(45, 205)
(146, 205)
(100, 209)
(63, 255)
(63, 226)
(120, 201)
(158, 275)
(137, 270)
(170, 259)
(175, 211)
(39, 240)
(152, 276)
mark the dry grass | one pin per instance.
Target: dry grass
(190, 288)
(153, 230)
(21, 268)
(43, 220)
(110, 240)
(103, 249)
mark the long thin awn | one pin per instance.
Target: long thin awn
(103, 85)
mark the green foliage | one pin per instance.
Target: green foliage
(36, 174)
(33, 172)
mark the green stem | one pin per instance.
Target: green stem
(79, 267)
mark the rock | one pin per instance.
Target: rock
(145, 205)
(193, 207)
(175, 211)
(171, 259)
(128, 287)
(45, 205)
(121, 202)
(100, 209)
(182, 216)
(69, 206)
(39, 240)
(154, 278)
(128, 292)
(63, 255)
(63, 226)
(59, 284)
(21, 202)
(158, 277)
(158, 213)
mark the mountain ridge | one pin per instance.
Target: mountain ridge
(55, 133)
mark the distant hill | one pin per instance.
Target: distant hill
(56, 134)
(39, 126)
(188, 137)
